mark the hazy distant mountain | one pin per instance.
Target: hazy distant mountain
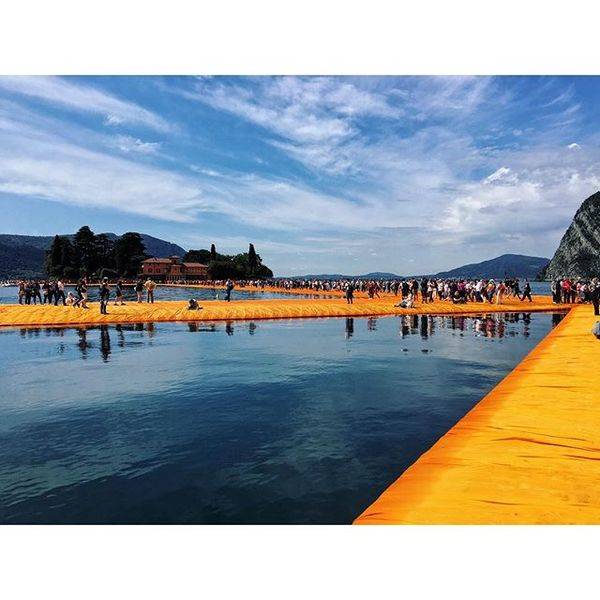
(24, 255)
(578, 254)
(507, 265)
(330, 276)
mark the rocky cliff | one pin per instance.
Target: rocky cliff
(578, 254)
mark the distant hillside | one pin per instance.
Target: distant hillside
(507, 265)
(578, 254)
(331, 276)
(23, 255)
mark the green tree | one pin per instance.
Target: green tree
(84, 243)
(129, 253)
(69, 260)
(54, 265)
(201, 256)
(252, 260)
(213, 253)
(105, 252)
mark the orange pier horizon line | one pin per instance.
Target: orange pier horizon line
(18, 315)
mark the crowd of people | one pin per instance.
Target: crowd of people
(411, 290)
(53, 291)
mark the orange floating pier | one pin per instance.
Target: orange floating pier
(219, 310)
(528, 453)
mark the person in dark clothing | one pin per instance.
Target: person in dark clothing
(228, 290)
(119, 293)
(595, 295)
(37, 295)
(415, 289)
(81, 291)
(527, 292)
(46, 292)
(350, 293)
(59, 293)
(405, 289)
(104, 296)
(139, 290)
(424, 283)
(516, 286)
(193, 304)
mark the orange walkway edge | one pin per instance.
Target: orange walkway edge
(528, 453)
(218, 310)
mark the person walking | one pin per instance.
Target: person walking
(527, 291)
(104, 296)
(150, 287)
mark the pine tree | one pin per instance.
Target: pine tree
(68, 260)
(213, 253)
(54, 257)
(252, 260)
(85, 250)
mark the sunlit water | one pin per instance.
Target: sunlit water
(303, 421)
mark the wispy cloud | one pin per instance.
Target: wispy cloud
(127, 143)
(76, 96)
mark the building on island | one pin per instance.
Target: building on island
(173, 269)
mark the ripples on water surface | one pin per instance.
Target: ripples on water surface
(301, 421)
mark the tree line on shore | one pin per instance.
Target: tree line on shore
(97, 255)
(247, 265)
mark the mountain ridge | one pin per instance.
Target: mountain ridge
(505, 265)
(24, 255)
(578, 253)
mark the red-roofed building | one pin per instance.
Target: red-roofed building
(173, 269)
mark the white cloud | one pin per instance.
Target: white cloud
(503, 175)
(127, 143)
(80, 97)
(574, 146)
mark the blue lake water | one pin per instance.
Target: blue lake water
(303, 421)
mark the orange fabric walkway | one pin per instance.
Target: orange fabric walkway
(219, 310)
(528, 453)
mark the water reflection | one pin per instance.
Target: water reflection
(349, 327)
(283, 422)
(496, 325)
(125, 336)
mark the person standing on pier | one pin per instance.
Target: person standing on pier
(139, 290)
(595, 295)
(59, 293)
(150, 286)
(350, 293)
(104, 296)
(228, 289)
(119, 293)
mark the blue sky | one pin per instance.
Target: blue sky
(322, 174)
